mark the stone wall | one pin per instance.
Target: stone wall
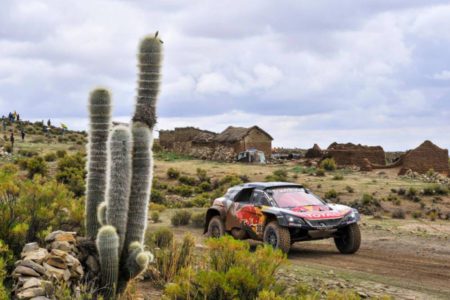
(314, 152)
(355, 155)
(425, 157)
(258, 140)
(213, 151)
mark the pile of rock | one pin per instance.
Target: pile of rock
(42, 270)
(429, 177)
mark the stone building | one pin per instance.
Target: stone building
(356, 155)
(225, 146)
(425, 157)
(180, 140)
(241, 139)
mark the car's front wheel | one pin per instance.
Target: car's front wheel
(277, 236)
(348, 239)
(216, 228)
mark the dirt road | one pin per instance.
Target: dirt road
(399, 259)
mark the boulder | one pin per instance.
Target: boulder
(33, 265)
(36, 255)
(31, 293)
(61, 236)
(22, 270)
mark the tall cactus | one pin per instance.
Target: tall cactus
(118, 191)
(100, 116)
(122, 206)
(140, 183)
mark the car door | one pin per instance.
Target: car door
(237, 212)
(256, 216)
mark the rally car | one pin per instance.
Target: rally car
(280, 214)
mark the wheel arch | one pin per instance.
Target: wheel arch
(210, 213)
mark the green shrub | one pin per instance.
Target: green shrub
(198, 219)
(157, 207)
(349, 189)
(30, 207)
(398, 213)
(231, 271)
(202, 200)
(71, 171)
(202, 175)
(173, 173)
(368, 204)
(171, 260)
(36, 165)
(61, 153)
(10, 169)
(182, 190)
(22, 163)
(230, 180)
(157, 196)
(180, 217)
(338, 177)
(187, 180)
(155, 217)
(27, 153)
(278, 175)
(328, 164)
(320, 172)
(205, 186)
(331, 194)
(161, 238)
(50, 157)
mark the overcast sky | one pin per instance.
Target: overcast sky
(374, 72)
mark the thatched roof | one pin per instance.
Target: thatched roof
(234, 134)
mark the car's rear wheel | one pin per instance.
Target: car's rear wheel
(348, 239)
(216, 228)
(277, 236)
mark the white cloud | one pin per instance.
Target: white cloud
(443, 75)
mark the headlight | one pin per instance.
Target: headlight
(294, 220)
(351, 216)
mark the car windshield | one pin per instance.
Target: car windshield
(294, 197)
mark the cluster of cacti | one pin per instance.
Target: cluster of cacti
(120, 175)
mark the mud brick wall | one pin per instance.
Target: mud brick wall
(355, 155)
(425, 157)
(314, 152)
(255, 139)
(166, 138)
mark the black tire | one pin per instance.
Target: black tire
(216, 228)
(349, 239)
(277, 236)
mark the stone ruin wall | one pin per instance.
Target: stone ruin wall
(427, 156)
(349, 155)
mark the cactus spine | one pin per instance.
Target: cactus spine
(100, 116)
(123, 210)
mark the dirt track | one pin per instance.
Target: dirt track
(416, 263)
